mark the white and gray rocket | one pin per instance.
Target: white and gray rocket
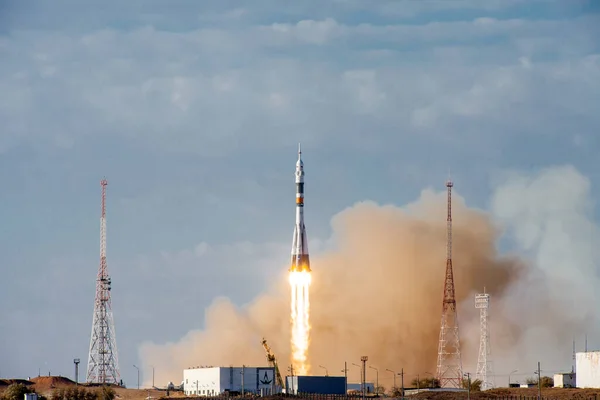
(300, 261)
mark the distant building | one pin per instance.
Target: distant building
(315, 384)
(357, 387)
(212, 381)
(565, 380)
(587, 365)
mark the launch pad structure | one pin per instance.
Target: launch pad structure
(484, 363)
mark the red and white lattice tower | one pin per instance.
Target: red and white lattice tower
(449, 364)
(103, 362)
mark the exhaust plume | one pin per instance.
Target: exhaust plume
(378, 292)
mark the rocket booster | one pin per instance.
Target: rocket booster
(300, 261)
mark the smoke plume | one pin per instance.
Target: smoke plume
(378, 292)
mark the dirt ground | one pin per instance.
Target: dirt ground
(515, 394)
(46, 385)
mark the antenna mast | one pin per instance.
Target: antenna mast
(103, 363)
(449, 364)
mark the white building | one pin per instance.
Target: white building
(212, 381)
(564, 380)
(587, 365)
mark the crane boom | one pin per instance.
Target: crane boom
(273, 362)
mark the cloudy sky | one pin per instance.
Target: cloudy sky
(193, 112)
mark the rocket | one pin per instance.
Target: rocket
(300, 261)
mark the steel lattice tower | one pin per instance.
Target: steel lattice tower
(484, 363)
(449, 364)
(103, 361)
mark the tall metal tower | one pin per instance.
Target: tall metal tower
(103, 362)
(484, 363)
(449, 364)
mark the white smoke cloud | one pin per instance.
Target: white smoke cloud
(548, 219)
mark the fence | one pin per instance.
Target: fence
(575, 394)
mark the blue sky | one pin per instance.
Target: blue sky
(193, 112)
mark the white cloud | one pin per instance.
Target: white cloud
(187, 90)
(409, 8)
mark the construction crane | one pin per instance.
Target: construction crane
(273, 362)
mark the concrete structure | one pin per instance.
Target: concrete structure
(587, 365)
(315, 384)
(565, 380)
(212, 381)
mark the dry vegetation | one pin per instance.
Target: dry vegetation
(63, 388)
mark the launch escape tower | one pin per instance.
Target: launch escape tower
(449, 364)
(484, 363)
(103, 362)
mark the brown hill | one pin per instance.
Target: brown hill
(43, 382)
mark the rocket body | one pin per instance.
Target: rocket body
(300, 261)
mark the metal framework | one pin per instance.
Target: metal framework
(484, 363)
(449, 364)
(273, 361)
(103, 361)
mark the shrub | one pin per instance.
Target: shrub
(16, 391)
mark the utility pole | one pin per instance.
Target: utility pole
(153, 376)
(402, 376)
(468, 375)
(539, 373)
(243, 367)
(511, 372)
(138, 372)
(389, 370)
(418, 384)
(364, 360)
(326, 372)
(346, 376)
(76, 362)
(376, 379)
